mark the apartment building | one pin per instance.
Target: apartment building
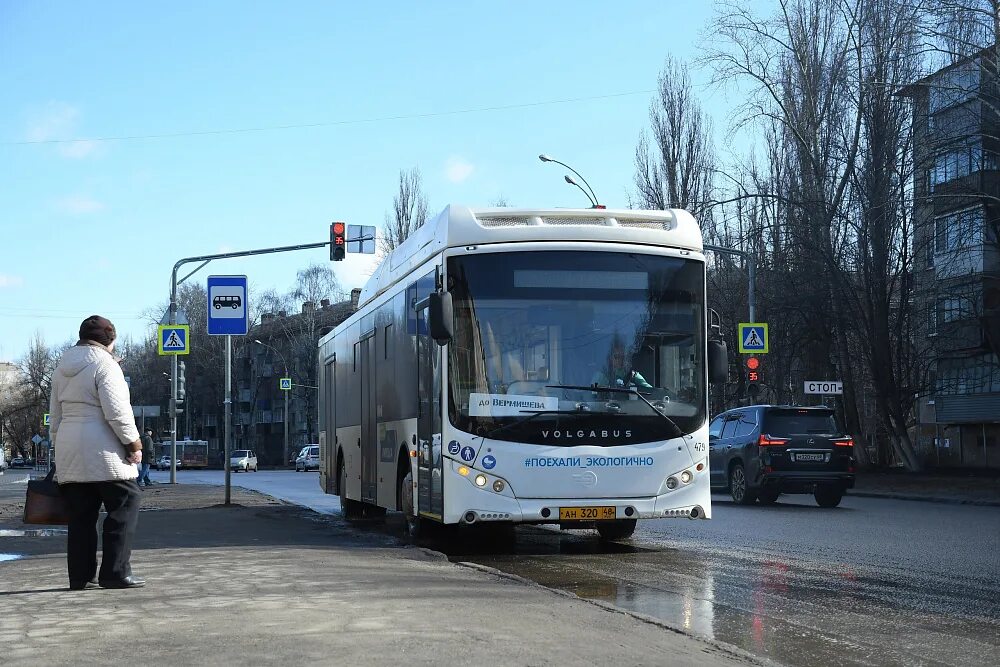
(956, 150)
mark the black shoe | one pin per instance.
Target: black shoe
(128, 582)
(83, 585)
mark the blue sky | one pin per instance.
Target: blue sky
(96, 226)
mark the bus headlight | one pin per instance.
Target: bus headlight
(498, 485)
(480, 480)
(671, 483)
(686, 477)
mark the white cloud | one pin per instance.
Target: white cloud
(457, 169)
(56, 122)
(10, 281)
(79, 205)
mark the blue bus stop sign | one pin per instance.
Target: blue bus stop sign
(227, 306)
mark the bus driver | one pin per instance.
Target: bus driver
(619, 372)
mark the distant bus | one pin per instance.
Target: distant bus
(481, 378)
(190, 453)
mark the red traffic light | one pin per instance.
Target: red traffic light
(753, 376)
(337, 248)
(753, 363)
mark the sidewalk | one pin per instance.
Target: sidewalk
(957, 488)
(268, 583)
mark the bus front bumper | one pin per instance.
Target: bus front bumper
(470, 503)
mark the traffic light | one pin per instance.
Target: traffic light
(338, 245)
(754, 375)
(181, 391)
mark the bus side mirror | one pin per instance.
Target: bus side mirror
(718, 362)
(440, 318)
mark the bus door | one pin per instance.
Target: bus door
(429, 460)
(369, 436)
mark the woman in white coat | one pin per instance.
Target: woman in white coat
(97, 446)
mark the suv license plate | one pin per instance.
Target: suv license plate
(809, 457)
(587, 513)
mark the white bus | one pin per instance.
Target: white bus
(526, 366)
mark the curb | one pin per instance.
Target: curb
(925, 499)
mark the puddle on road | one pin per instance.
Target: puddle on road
(6, 557)
(783, 610)
(32, 532)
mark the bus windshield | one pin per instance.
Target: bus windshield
(533, 327)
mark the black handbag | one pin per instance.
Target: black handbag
(45, 503)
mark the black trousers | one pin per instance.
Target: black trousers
(121, 502)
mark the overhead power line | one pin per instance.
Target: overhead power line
(333, 123)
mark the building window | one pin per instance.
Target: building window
(953, 87)
(961, 229)
(955, 308)
(973, 375)
(957, 161)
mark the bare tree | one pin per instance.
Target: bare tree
(317, 282)
(822, 75)
(409, 211)
(676, 170)
(961, 28)
(877, 274)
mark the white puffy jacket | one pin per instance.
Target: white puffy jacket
(91, 420)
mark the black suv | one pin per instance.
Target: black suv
(761, 451)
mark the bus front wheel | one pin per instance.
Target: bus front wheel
(619, 529)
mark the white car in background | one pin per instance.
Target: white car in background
(308, 459)
(243, 459)
(163, 463)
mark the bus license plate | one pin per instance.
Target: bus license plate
(587, 513)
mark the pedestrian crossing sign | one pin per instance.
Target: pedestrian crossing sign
(285, 384)
(173, 339)
(753, 337)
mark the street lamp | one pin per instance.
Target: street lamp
(284, 419)
(590, 195)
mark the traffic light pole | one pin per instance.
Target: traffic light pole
(172, 319)
(751, 274)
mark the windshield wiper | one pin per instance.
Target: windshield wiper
(528, 417)
(677, 432)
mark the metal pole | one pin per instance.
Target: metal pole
(751, 275)
(228, 403)
(285, 456)
(173, 406)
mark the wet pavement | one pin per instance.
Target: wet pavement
(875, 582)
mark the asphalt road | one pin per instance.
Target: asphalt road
(873, 582)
